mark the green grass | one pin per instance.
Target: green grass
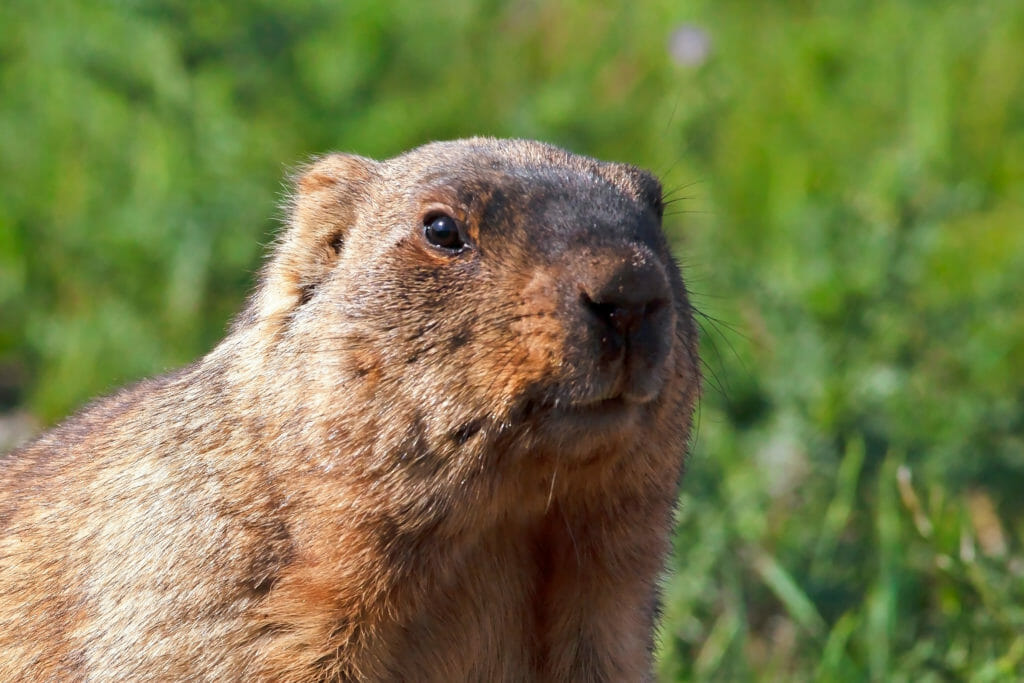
(850, 179)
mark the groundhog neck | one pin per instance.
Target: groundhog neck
(351, 498)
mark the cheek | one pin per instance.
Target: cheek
(537, 326)
(483, 345)
(455, 334)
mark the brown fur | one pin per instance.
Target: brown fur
(393, 467)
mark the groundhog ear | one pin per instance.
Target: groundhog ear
(323, 207)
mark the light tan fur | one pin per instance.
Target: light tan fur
(392, 467)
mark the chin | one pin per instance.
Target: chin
(584, 432)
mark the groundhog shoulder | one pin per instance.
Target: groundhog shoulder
(442, 441)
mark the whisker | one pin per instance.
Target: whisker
(715, 382)
(718, 322)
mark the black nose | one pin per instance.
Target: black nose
(623, 318)
(629, 301)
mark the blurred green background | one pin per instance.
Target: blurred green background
(850, 178)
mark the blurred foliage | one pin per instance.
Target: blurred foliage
(848, 181)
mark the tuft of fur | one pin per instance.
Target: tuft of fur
(401, 464)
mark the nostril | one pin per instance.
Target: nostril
(626, 319)
(653, 306)
(622, 318)
(602, 311)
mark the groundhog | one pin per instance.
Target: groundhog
(442, 442)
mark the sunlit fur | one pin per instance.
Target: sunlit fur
(370, 478)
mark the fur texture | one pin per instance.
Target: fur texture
(404, 462)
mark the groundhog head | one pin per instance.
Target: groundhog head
(496, 302)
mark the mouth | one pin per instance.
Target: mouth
(604, 406)
(589, 417)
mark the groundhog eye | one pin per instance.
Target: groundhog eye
(442, 231)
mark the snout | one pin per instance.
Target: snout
(624, 307)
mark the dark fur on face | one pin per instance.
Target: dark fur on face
(418, 455)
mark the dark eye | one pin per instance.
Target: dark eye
(442, 231)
